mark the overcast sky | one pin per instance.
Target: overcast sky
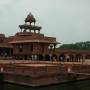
(67, 20)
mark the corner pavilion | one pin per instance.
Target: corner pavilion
(29, 43)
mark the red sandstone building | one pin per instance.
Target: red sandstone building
(30, 44)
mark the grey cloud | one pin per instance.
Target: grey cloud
(68, 20)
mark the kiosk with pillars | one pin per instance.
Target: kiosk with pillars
(29, 43)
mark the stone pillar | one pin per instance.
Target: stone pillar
(35, 57)
(57, 57)
(54, 46)
(67, 57)
(29, 30)
(4, 52)
(83, 58)
(32, 57)
(50, 57)
(43, 57)
(34, 23)
(21, 30)
(10, 52)
(34, 31)
(73, 58)
(38, 31)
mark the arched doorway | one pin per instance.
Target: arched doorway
(54, 57)
(77, 58)
(62, 57)
(40, 57)
(47, 57)
(71, 58)
(88, 56)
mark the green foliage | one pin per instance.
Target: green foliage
(78, 45)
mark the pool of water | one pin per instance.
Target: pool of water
(78, 85)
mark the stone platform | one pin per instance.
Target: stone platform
(41, 73)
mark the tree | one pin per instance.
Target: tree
(78, 45)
